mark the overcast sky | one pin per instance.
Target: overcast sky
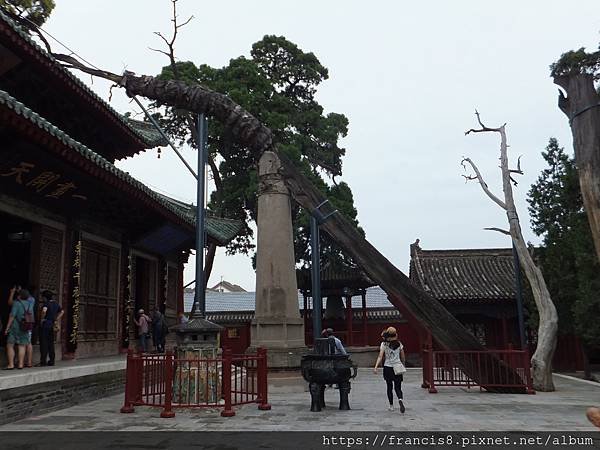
(408, 75)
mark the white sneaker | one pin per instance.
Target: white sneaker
(390, 407)
(402, 408)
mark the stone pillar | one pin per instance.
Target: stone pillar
(277, 324)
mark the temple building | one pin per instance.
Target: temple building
(476, 285)
(70, 220)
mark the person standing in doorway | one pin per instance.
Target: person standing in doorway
(16, 331)
(159, 330)
(392, 351)
(143, 324)
(19, 293)
(51, 314)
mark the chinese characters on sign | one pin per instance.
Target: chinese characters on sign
(46, 183)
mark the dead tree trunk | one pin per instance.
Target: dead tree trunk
(414, 303)
(582, 107)
(541, 361)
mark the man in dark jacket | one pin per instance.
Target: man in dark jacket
(159, 330)
(51, 314)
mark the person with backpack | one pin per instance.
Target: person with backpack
(30, 317)
(50, 323)
(392, 351)
(19, 327)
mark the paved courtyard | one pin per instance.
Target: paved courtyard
(456, 409)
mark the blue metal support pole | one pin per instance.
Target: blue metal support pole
(519, 296)
(315, 277)
(200, 293)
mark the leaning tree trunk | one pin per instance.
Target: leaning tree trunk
(413, 302)
(582, 107)
(541, 361)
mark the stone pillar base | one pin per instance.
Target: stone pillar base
(277, 332)
(283, 358)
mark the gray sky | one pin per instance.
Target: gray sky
(407, 74)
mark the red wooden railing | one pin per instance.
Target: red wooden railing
(448, 368)
(169, 382)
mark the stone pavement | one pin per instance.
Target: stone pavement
(454, 409)
(64, 369)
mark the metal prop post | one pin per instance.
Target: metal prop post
(519, 295)
(316, 219)
(200, 293)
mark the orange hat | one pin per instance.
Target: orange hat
(390, 332)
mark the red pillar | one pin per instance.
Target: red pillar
(228, 410)
(263, 383)
(180, 307)
(504, 334)
(129, 374)
(167, 412)
(349, 319)
(364, 319)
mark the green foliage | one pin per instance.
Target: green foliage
(37, 11)
(567, 256)
(576, 62)
(277, 84)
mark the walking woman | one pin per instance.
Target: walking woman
(392, 351)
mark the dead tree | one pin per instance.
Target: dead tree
(541, 361)
(414, 303)
(582, 107)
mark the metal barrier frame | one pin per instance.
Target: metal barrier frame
(151, 380)
(440, 368)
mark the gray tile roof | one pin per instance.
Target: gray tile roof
(222, 230)
(147, 136)
(473, 275)
(219, 228)
(237, 302)
(147, 131)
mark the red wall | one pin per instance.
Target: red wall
(568, 355)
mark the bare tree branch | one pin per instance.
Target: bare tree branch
(160, 35)
(160, 51)
(171, 43)
(499, 230)
(73, 63)
(482, 183)
(483, 128)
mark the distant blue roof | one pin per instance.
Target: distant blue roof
(245, 301)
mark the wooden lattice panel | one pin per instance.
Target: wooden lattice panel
(50, 259)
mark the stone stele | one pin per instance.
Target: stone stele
(277, 324)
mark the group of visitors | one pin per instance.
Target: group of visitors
(391, 353)
(155, 326)
(22, 321)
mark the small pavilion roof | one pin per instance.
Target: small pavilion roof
(334, 277)
(468, 275)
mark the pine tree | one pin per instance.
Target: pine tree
(567, 256)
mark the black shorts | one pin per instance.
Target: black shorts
(389, 375)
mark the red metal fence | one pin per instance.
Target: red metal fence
(489, 369)
(162, 380)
